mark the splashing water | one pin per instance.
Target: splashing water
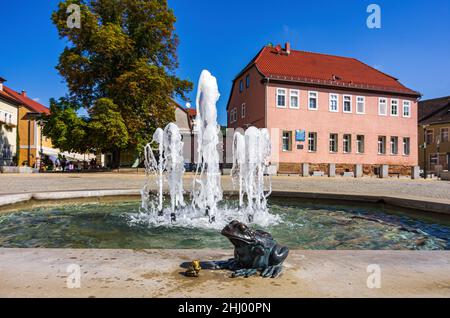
(207, 191)
(153, 168)
(251, 153)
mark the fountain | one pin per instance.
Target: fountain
(170, 164)
(251, 153)
(207, 191)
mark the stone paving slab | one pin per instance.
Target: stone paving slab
(157, 273)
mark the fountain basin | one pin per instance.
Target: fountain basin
(304, 225)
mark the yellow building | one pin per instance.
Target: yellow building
(434, 130)
(31, 142)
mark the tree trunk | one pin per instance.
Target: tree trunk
(115, 159)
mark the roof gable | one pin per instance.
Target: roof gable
(26, 101)
(8, 98)
(434, 110)
(324, 69)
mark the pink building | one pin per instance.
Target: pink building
(327, 114)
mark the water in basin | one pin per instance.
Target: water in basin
(301, 226)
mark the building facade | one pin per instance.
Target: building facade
(9, 108)
(434, 130)
(130, 158)
(22, 142)
(323, 109)
(31, 142)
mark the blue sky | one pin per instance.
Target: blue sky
(222, 36)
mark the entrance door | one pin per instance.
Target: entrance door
(443, 161)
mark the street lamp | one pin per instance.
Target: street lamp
(424, 127)
(30, 116)
(41, 156)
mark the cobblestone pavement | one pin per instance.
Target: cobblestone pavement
(405, 188)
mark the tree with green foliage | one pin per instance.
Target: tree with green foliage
(67, 130)
(120, 67)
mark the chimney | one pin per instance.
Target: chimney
(287, 48)
(24, 93)
(278, 49)
(2, 80)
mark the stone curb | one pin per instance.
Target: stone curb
(9, 199)
(14, 198)
(83, 194)
(422, 205)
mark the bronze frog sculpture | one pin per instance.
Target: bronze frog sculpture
(254, 250)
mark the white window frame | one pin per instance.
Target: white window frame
(379, 106)
(383, 142)
(348, 142)
(298, 98)
(432, 136)
(7, 117)
(286, 138)
(316, 98)
(278, 94)
(343, 104)
(314, 141)
(233, 115)
(409, 146)
(431, 157)
(440, 134)
(408, 104)
(392, 144)
(243, 110)
(358, 143)
(337, 102)
(364, 105)
(336, 143)
(393, 100)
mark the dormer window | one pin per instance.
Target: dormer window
(336, 78)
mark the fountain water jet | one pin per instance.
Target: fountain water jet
(174, 164)
(251, 153)
(207, 191)
(153, 167)
(170, 161)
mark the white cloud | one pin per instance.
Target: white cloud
(37, 99)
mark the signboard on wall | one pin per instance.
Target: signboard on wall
(300, 135)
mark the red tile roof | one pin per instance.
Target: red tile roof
(323, 69)
(8, 97)
(191, 112)
(26, 101)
